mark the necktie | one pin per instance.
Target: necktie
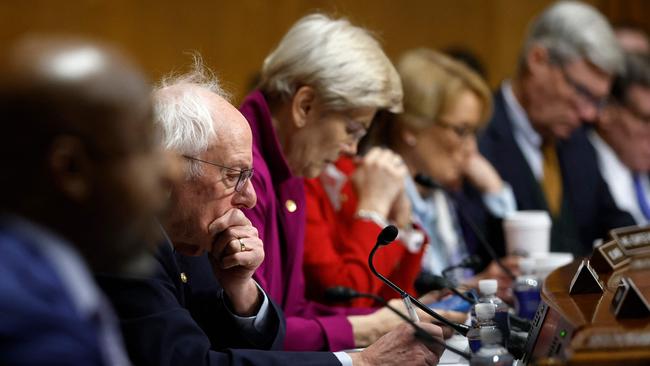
(552, 183)
(640, 196)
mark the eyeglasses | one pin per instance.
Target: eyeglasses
(355, 129)
(461, 131)
(238, 181)
(597, 102)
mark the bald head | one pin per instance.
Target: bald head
(633, 39)
(52, 85)
(80, 146)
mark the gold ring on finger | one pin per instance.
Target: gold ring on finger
(242, 246)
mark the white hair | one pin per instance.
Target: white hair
(343, 62)
(182, 114)
(572, 30)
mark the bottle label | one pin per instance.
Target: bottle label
(474, 344)
(527, 303)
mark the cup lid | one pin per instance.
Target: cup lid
(530, 217)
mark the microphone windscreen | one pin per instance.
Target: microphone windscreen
(387, 235)
(426, 181)
(340, 294)
(427, 282)
(474, 262)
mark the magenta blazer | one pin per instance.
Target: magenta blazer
(279, 216)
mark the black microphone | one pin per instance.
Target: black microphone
(343, 294)
(428, 182)
(386, 236)
(429, 282)
(473, 262)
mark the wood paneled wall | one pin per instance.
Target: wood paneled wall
(234, 36)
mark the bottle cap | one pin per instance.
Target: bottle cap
(485, 311)
(527, 265)
(488, 287)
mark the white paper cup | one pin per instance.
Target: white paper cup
(527, 232)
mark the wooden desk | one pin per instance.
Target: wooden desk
(582, 329)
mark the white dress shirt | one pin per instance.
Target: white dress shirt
(527, 139)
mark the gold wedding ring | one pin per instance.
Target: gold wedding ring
(242, 246)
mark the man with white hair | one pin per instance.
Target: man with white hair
(203, 298)
(536, 138)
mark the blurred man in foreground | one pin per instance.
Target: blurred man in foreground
(82, 180)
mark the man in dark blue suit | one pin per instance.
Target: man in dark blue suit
(203, 306)
(536, 139)
(77, 194)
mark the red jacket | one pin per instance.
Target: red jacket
(337, 245)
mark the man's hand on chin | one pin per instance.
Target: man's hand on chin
(236, 254)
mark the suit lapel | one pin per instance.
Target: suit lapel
(510, 161)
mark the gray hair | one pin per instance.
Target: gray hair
(343, 62)
(181, 114)
(637, 72)
(572, 30)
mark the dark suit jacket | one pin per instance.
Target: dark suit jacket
(588, 211)
(168, 322)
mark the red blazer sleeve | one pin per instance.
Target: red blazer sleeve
(337, 245)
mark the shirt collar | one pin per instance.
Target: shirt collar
(333, 180)
(520, 122)
(420, 205)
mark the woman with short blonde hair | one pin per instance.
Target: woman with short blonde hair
(432, 81)
(343, 63)
(445, 104)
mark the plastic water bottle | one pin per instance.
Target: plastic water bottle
(488, 290)
(527, 290)
(485, 319)
(492, 353)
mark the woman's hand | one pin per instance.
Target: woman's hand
(482, 175)
(379, 180)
